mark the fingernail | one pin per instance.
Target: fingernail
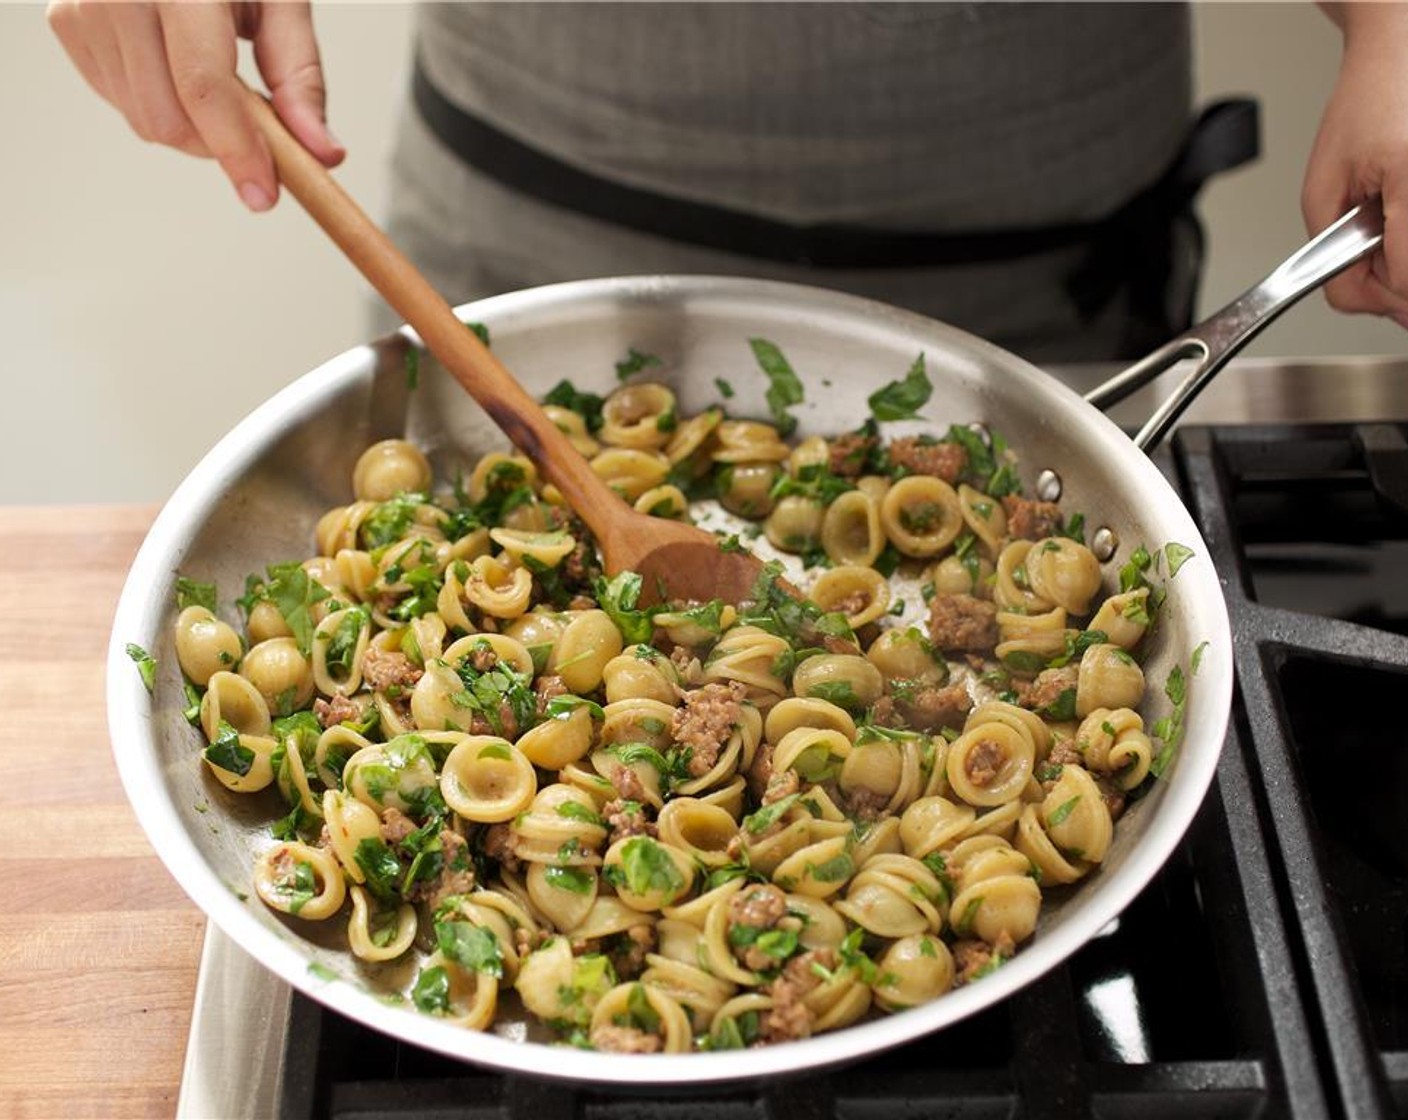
(255, 197)
(332, 137)
(1401, 319)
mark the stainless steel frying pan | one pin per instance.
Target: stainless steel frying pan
(256, 497)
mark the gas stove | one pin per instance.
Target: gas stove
(1263, 972)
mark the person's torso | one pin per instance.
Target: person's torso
(920, 116)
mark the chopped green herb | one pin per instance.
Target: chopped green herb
(1063, 708)
(724, 388)
(1197, 658)
(839, 693)
(1062, 811)
(996, 961)
(769, 815)
(814, 481)
(646, 868)
(834, 870)
(561, 707)
(1178, 555)
(639, 1012)
(964, 926)
(189, 593)
(573, 879)
(1077, 642)
(1073, 529)
(635, 361)
(777, 943)
(303, 888)
(412, 369)
(576, 811)
(480, 331)
(146, 665)
(587, 405)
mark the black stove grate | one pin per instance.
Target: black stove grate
(1285, 909)
(1320, 685)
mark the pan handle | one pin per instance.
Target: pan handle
(1217, 338)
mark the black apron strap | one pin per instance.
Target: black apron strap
(534, 173)
(1150, 253)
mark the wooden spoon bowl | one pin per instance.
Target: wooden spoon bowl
(677, 561)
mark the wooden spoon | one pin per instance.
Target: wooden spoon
(676, 561)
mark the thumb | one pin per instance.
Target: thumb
(286, 52)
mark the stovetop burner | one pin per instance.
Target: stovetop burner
(1263, 972)
(1317, 690)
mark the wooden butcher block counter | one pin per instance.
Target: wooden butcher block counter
(98, 945)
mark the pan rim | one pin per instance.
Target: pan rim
(130, 712)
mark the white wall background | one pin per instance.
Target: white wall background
(143, 312)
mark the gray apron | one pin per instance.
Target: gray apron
(1002, 167)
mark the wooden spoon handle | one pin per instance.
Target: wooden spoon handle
(459, 351)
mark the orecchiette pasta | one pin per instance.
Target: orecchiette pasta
(692, 825)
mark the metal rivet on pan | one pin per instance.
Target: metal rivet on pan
(1105, 543)
(1048, 486)
(981, 431)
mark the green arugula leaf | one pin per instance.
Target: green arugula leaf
(226, 752)
(784, 387)
(488, 692)
(646, 868)
(431, 993)
(474, 947)
(381, 868)
(902, 400)
(294, 592)
(342, 642)
(619, 598)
